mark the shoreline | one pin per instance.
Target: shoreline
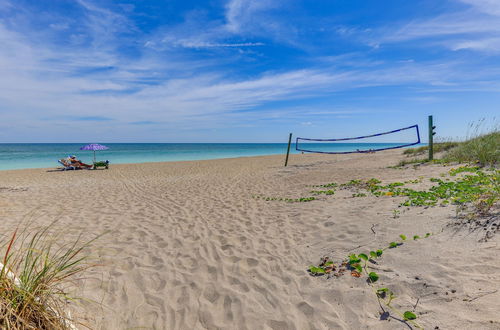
(136, 155)
(55, 168)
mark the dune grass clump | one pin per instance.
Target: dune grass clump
(482, 147)
(438, 147)
(483, 150)
(36, 270)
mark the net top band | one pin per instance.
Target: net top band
(362, 137)
(357, 138)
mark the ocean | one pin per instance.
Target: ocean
(45, 155)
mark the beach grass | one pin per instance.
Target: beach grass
(438, 147)
(483, 150)
(481, 147)
(35, 272)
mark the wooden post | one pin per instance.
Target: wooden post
(431, 139)
(288, 150)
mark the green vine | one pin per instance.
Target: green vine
(358, 265)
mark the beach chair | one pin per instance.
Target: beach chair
(67, 165)
(101, 163)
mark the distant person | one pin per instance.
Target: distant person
(75, 162)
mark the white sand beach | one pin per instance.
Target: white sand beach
(187, 246)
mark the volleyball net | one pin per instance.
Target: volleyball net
(398, 138)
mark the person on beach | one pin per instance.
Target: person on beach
(75, 162)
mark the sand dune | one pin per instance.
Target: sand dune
(188, 247)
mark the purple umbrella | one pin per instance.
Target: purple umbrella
(94, 147)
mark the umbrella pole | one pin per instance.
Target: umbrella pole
(94, 156)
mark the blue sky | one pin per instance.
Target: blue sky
(244, 71)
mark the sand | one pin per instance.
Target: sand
(188, 247)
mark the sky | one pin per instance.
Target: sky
(244, 71)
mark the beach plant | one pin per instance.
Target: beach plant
(385, 298)
(462, 169)
(35, 272)
(326, 266)
(325, 192)
(438, 147)
(359, 265)
(476, 187)
(481, 146)
(384, 295)
(328, 185)
(316, 270)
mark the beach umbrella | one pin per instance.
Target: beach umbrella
(94, 147)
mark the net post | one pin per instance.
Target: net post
(431, 139)
(288, 150)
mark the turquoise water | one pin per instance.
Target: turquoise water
(45, 155)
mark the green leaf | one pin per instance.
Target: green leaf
(373, 254)
(373, 277)
(409, 315)
(363, 256)
(328, 263)
(427, 235)
(416, 237)
(353, 259)
(358, 268)
(403, 237)
(382, 292)
(316, 270)
(379, 252)
(393, 245)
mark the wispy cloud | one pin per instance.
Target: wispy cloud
(98, 69)
(91, 118)
(242, 15)
(475, 26)
(144, 122)
(215, 45)
(490, 7)
(244, 24)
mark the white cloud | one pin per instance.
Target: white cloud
(490, 7)
(59, 26)
(246, 24)
(102, 25)
(43, 84)
(27, 87)
(476, 27)
(486, 45)
(219, 45)
(243, 14)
